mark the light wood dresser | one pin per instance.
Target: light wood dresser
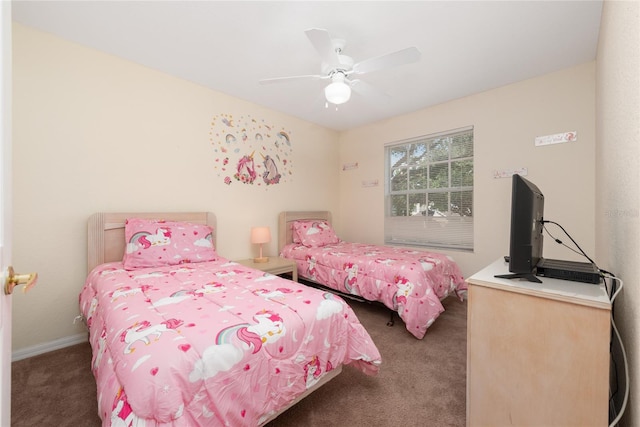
(537, 354)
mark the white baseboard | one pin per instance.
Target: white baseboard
(49, 346)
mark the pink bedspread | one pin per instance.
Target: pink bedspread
(213, 343)
(408, 281)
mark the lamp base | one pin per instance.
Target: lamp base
(261, 259)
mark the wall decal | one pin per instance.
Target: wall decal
(250, 151)
(507, 173)
(557, 138)
(350, 166)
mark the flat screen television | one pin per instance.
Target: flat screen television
(525, 240)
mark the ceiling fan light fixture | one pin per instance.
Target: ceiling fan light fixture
(337, 92)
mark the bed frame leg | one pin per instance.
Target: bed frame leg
(391, 319)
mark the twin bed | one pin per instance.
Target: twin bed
(409, 282)
(184, 337)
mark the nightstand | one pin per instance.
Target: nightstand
(275, 265)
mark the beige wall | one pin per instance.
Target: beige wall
(618, 180)
(506, 121)
(92, 133)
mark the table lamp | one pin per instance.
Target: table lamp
(259, 236)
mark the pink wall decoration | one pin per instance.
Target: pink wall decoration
(250, 151)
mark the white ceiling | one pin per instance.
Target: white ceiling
(228, 46)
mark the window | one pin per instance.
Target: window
(429, 191)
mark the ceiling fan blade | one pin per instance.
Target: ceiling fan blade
(292, 79)
(322, 43)
(400, 57)
(368, 91)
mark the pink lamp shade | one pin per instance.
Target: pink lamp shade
(260, 235)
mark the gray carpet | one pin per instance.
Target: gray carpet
(421, 382)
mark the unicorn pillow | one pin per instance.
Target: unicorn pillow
(156, 243)
(314, 233)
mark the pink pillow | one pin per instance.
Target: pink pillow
(314, 233)
(156, 243)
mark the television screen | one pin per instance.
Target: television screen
(525, 240)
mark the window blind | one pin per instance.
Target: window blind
(429, 191)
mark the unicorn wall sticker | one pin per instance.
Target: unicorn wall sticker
(246, 170)
(270, 174)
(250, 151)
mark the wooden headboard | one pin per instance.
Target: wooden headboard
(105, 238)
(285, 224)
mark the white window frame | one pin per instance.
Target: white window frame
(441, 230)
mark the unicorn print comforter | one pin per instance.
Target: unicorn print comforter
(212, 343)
(408, 281)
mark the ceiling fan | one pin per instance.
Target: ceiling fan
(340, 69)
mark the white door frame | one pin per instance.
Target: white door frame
(5, 212)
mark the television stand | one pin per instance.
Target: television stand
(529, 276)
(536, 355)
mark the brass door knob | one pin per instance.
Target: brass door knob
(13, 280)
